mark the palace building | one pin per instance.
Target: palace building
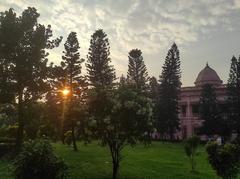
(189, 101)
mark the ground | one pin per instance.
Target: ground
(158, 161)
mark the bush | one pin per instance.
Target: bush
(190, 147)
(68, 137)
(37, 161)
(224, 159)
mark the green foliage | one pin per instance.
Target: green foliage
(224, 159)
(125, 117)
(37, 160)
(23, 52)
(191, 146)
(71, 63)
(169, 88)
(137, 75)
(210, 113)
(99, 71)
(233, 94)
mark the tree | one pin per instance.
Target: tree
(233, 94)
(137, 72)
(127, 118)
(153, 94)
(191, 146)
(8, 41)
(169, 88)
(37, 160)
(153, 88)
(23, 45)
(209, 111)
(225, 159)
(119, 116)
(99, 71)
(71, 65)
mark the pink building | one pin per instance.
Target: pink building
(189, 101)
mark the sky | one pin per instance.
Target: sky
(204, 30)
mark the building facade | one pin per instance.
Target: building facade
(189, 101)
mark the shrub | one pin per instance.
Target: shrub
(224, 159)
(68, 137)
(37, 161)
(191, 146)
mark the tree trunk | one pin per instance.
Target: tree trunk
(115, 169)
(115, 152)
(19, 139)
(62, 121)
(73, 137)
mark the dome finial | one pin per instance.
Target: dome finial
(207, 64)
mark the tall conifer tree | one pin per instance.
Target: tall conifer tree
(153, 89)
(209, 111)
(169, 88)
(137, 72)
(99, 71)
(71, 65)
(153, 94)
(233, 93)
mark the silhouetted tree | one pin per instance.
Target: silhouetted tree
(137, 74)
(153, 89)
(24, 44)
(99, 71)
(233, 93)
(153, 94)
(71, 65)
(209, 111)
(169, 88)
(119, 115)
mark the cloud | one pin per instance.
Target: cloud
(146, 24)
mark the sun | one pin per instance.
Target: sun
(65, 92)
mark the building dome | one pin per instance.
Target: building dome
(208, 76)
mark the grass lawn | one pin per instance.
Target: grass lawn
(159, 161)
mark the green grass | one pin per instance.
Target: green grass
(159, 161)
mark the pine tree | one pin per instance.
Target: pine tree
(153, 89)
(99, 71)
(71, 65)
(209, 111)
(137, 72)
(233, 93)
(153, 94)
(169, 88)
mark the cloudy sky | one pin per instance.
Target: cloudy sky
(204, 30)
